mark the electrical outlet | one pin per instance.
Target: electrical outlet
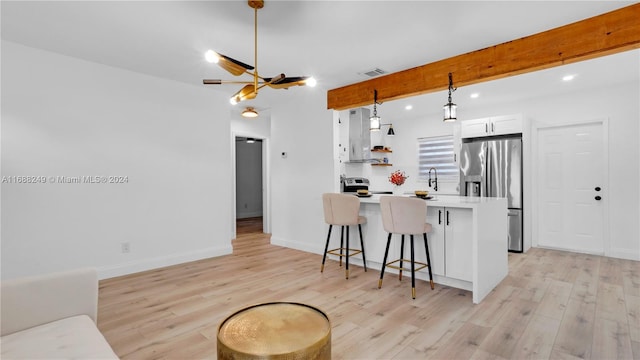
(125, 247)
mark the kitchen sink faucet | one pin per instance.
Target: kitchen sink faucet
(435, 187)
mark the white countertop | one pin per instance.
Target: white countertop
(441, 200)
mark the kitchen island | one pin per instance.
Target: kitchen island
(468, 242)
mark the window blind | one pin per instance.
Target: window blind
(437, 152)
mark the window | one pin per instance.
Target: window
(437, 152)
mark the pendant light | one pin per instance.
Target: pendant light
(374, 121)
(450, 108)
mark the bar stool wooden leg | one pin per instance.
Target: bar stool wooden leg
(426, 247)
(326, 247)
(413, 275)
(384, 261)
(364, 259)
(401, 256)
(346, 260)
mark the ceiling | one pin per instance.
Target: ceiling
(334, 41)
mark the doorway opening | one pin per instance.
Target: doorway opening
(250, 187)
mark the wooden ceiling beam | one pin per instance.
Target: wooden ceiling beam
(605, 34)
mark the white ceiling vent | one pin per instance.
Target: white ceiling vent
(373, 72)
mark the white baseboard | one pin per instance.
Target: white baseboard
(132, 267)
(618, 253)
(626, 254)
(244, 215)
(316, 249)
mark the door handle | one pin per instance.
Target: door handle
(598, 198)
(447, 217)
(439, 217)
(598, 188)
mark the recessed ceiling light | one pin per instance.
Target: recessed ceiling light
(568, 77)
(408, 107)
(474, 95)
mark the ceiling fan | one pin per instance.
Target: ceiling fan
(237, 68)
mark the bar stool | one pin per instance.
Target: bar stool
(404, 215)
(343, 210)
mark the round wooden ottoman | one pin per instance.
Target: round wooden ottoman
(278, 330)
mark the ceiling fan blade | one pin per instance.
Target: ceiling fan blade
(275, 79)
(221, 82)
(288, 82)
(230, 64)
(248, 92)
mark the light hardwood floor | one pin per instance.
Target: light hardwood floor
(553, 305)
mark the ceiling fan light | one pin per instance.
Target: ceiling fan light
(311, 81)
(246, 93)
(238, 68)
(250, 112)
(212, 56)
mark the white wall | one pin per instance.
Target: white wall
(259, 127)
(304, 130)
(66, 117)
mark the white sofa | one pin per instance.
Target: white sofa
(52, 316)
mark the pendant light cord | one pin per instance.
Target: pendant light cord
(375, 101)
(451, 88)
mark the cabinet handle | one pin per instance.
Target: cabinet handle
(439, 217)
(598, 188)
(447, 217)
(492, 127)
(486, 128)
(598, 198)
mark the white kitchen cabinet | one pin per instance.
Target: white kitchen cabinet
(497, 125)
(469, 253)
(450, 240)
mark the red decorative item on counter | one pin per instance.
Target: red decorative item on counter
(397, 177)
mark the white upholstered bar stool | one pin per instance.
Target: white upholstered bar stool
(343, 210)
(405, 216)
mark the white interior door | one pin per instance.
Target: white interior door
(571, 172)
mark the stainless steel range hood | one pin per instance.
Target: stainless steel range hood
(359, 136)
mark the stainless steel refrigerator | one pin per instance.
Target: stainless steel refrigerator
(492, 167)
